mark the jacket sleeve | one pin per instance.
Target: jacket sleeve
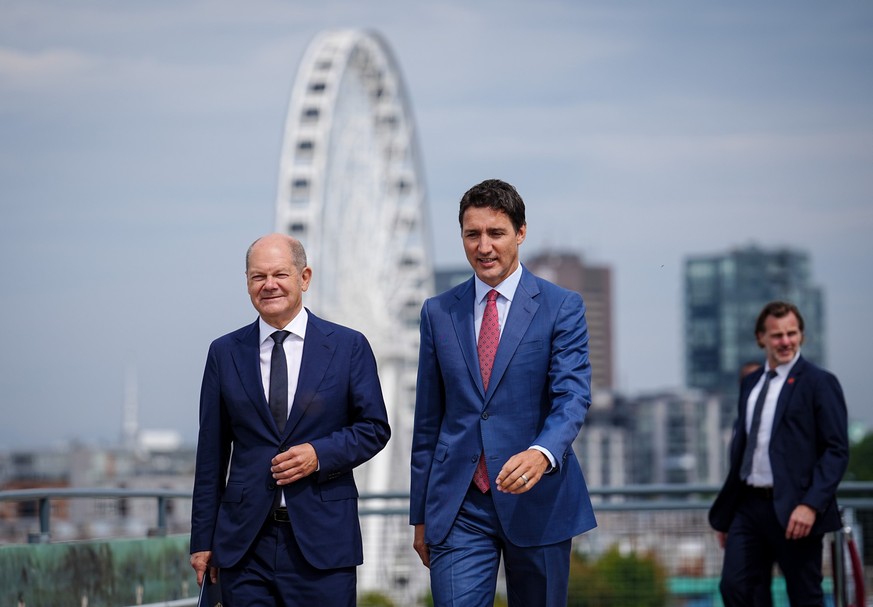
(569, 379)
(429, 412)
(831, 441)
(213, 455)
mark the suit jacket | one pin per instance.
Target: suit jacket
(338, 408)
(538, 394)
(809, 448)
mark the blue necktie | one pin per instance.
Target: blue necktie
(279, 380)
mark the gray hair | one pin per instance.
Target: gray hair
(298, 253)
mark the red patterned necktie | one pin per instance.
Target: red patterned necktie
(489, 336)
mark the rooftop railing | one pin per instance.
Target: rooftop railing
(628, 498)
(664, 523)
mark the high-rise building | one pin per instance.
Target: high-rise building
(675, 437)
(724, 293)
(605, 443)
(446, 278)
(594, 283)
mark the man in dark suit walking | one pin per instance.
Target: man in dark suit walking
(503, 389)
(788, 454)
(289, 406)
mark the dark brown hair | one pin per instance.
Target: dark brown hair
(777, 309)
(497, 195)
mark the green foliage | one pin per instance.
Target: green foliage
(374, 599)
(613, 580)
(617, 580)
(427, 600)
(861, 460)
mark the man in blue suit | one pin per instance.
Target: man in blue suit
(503, 389)
(788, 454)
(289, 406)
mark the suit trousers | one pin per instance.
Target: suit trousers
(463, 568)
(756, 541)
(274, 573)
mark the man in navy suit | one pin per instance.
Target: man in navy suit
(788, 454)
(506, 417)
(289, 406)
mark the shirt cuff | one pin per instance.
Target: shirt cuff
(549, 456)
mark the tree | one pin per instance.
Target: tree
(861, 460)
(861, 469)
(616, 579)
(427, 600)
(374, 599)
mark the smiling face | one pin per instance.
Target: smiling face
(780, 339)
(491, 243)
(275, 284)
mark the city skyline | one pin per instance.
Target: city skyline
(140, 155)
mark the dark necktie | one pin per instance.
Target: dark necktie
(752, 438)
(489, 336)
(279, 380)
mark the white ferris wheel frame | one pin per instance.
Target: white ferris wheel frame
(351, 189)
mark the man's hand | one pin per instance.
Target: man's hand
(522, 471)
(800, 522)
(721, 536)
(420, 547)
(297, 462)
(200, 563)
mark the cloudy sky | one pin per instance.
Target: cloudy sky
(139, 146)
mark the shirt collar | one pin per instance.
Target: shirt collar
(783, 370)
(297, 326)
(506, 288)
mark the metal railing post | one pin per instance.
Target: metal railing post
(838, 551)
(162, 515)
(44, 506)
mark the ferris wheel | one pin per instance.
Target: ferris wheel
(351, 189)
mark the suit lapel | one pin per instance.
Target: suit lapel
(746, 389)
(787, 391)
(247, 360)
(318, 349)
(465, 330)
(739, 438)
(521, 313)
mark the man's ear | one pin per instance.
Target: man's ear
(305, 278)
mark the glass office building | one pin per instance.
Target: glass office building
(724, 293)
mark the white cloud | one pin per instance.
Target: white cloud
(41, 70)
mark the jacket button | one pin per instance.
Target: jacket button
(271, 485)
(474, 458)
(485, 415)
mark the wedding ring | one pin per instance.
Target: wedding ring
(524, 479)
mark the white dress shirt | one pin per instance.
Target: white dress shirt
(762, 473)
